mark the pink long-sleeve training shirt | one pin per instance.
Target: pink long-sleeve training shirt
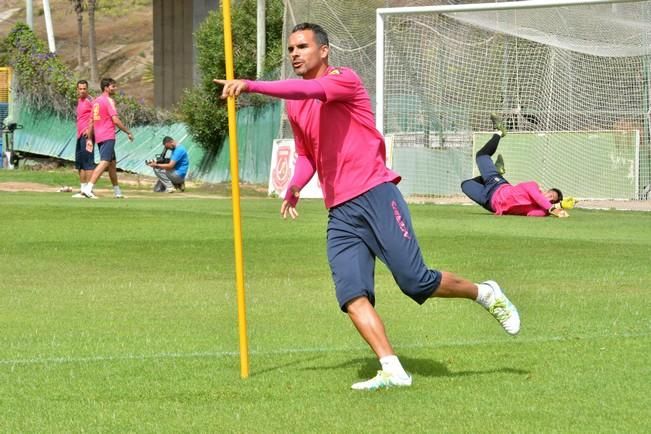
(334, 133)
(520, 199)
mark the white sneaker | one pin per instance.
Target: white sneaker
(502, 309)
(119, 196)
(89, 194)
(383, 379)
(78, 195)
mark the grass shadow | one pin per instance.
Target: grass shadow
(277, 367)
(432, 368)
(368, 366)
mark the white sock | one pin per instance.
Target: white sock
(83, 185)
(484, 294)
(89, 186)
(499, 133)
(116, 189)
(392, 364)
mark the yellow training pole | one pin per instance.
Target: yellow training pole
(235, 182)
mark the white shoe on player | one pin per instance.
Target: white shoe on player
(383, 380)
(87, 192)
(502, 309)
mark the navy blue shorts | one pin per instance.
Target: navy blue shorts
(482, 191)
(376, 224)
(107, 150)
(84, 160)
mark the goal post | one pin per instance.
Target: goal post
(569, 78)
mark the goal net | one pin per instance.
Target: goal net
(571, 81)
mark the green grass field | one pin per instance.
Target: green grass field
(121, 316)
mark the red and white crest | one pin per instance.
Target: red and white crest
(281, 173)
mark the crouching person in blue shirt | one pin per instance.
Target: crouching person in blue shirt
(171, 174)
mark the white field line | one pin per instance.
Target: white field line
(287, 351)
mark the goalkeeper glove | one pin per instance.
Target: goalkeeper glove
(568, 203)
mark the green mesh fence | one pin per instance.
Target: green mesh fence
(48, 135)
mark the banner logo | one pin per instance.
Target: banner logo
(281, 172)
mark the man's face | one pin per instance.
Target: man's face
(82, 90)
(307, 56)
(551, 195)
(170, 145)
(111, 88)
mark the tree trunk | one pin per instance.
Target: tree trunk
(79, 9)
(91, 41)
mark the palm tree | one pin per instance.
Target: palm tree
(91, 41)
(78, 6)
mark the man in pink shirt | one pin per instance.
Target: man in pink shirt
(84, 158)
(102, 129)
(335, 135)
(495, 194)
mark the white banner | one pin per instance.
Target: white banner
(283, 160)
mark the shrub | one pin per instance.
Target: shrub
(202, 110)
(44, 82)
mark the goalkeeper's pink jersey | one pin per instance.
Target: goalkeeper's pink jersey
(520, 199)
(103, 112)
(334, 128)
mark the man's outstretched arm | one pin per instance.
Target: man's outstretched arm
(545, 206)
(533, 191)
(285, 89)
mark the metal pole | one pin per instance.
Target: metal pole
(379, 71)
(48, 26)
(29, 14)
(261, 39)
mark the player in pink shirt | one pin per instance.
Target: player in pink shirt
(497, 195)
(335, 135)
(102, 130)
(84, 158)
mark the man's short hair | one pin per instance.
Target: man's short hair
(106, 82)
(320, 34)
(559, 193)
(82, 82)
(167, 139)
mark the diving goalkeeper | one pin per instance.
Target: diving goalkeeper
(498, 196)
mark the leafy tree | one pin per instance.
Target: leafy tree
(46, 83)
(202, 110)
(92, 45)
(78, 6)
